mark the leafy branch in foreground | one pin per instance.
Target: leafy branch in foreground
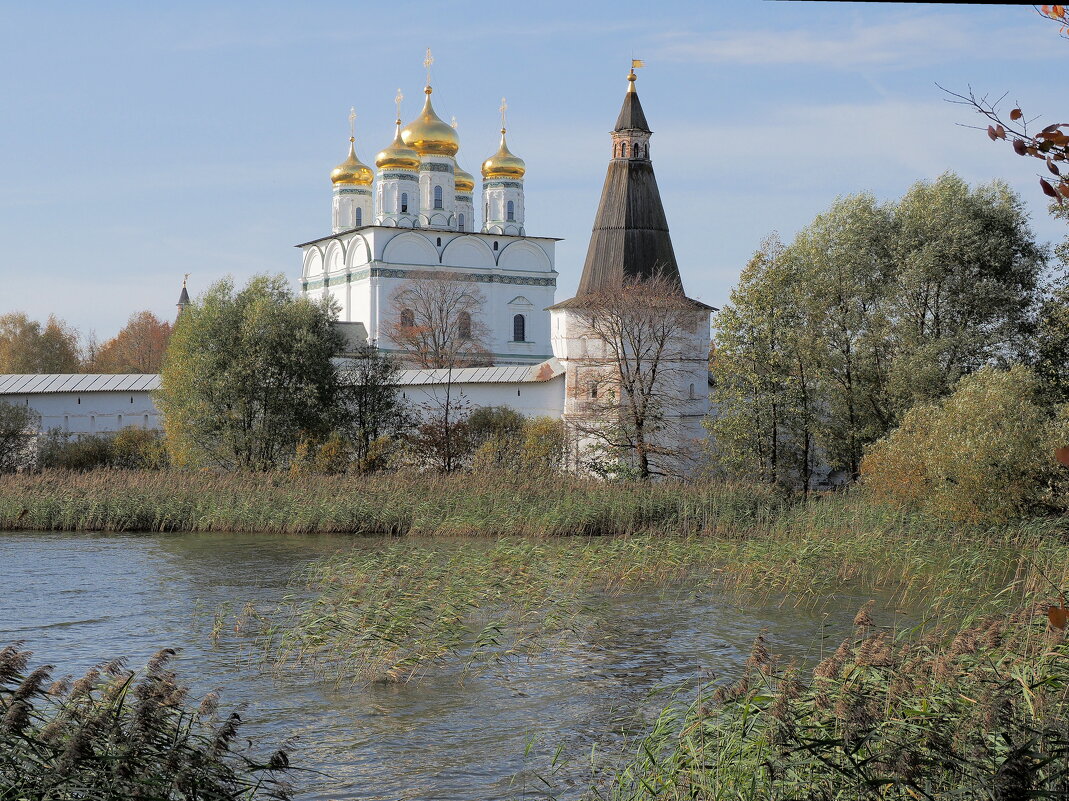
(112, 734)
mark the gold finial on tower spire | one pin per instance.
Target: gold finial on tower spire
(352, 123)
(427, 61)
(503, 108)
(398, 100)
(636, 63)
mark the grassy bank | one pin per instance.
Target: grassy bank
(484, 505)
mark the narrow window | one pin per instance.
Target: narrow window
(359, 217)
(519, 328)
(79, 401)
(511, 211)
(438, 197)
(66, 424)
(692, 396)
(495, 245)
(408, 318)
(119, 425)
(464, 325)
(623, 150)
(486, 210)
(517, 393)
(593, 389)
(638, 151)
(461, 222)
(439, 241)
(131, 399)
(146, 421)
(404, 202)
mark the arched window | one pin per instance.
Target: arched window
(359, 216)
(623, 149)
(461, 228)
(692, 395)
(464, 325)
(495, 245)
(638, 151)
(519, 328)
(408, 318)
(404, 202)
(511, 212)
(439, 241)
(593, 389)
(438, 197)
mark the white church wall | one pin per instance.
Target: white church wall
(529, 398)
(91, 412)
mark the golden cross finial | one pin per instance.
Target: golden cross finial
(352, 122)
(184, 279)
(636, 63)
(427, 63)
(398, 100)
(454, 122)
(504, 107)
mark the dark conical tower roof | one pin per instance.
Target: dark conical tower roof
(631, 116)
(630, 240)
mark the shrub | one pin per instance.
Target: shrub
(67, 452)
(130, 449)
(986, 453)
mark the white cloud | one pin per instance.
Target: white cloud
(905, 42)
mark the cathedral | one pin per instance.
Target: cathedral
(413, 216)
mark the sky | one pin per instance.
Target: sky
(141, 141)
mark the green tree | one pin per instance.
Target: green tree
(968, 284)
(18, 428)
(762, 388)
(26, 346)
(248, 374)
(372, 408)
(828, 342)
(1052, 335)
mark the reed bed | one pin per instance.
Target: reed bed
(982, 714)
(492, 504)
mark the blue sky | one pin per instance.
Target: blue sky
(140, 141)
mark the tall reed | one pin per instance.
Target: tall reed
(980, 715)
(115, 735)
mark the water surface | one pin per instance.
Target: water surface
(79, 599)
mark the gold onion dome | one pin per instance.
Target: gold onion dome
(504, 164)
(428, 134)
(465, 181)
(352, 170)
(397, 155)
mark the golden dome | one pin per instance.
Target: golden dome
(428, 134)
(465, 181)
(352, 170)
(503, 164)
(396, 155)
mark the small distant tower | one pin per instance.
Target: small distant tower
(437, 143)
(352, 188)
(183, 299)
(464, 183)
(503, 188)
(397, 193)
